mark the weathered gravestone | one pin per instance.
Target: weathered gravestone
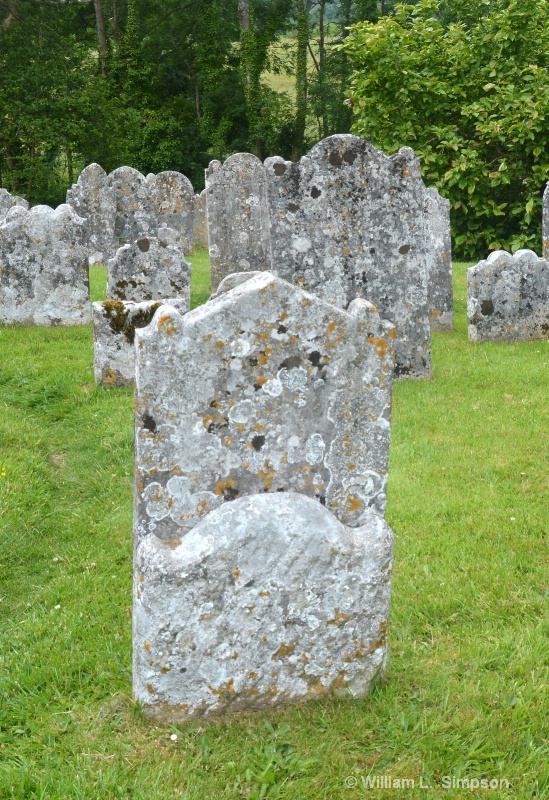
(347, 221)
(172, 198)
(93, 198)
(238, 216)
(135, 213)
(508, 297)
(151, 268)
(200, 220)
(441, 297)
(545, 232)
(114, 326)
(44, 267)
(8, 201)
(275, 400)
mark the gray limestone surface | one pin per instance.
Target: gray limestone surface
(44, 267)
(441, 297)
(200, 220)
(172, 198)
(347, 221)
(266, 388)
(8, 200)
(150, 268)
(93, 198)
(135, 213)
(508, 297)
(545, 230)
(238, 216)
(114, 326)
(268, 600)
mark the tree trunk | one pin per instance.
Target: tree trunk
(302, 9)
(70, 171)
(101, 35)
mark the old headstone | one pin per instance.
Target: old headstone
(44, 267)
(172, 200)
(545, 232)
(262, 570)
(8, 200)
(347, 221)
(200, 220)
(150, 268)
(135, 213)
(238, 216)
(93, 198)
(114, 326)
(508, 297)
(441, 298)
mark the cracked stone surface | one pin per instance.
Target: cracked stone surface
(44, 267)
(114, 325)
(172, 197)
(238, 216)
(441, 298)
(135, 214)
(545, 230)
(268, 600)
(150, 268)
(347, 221)
(200, 220)
(93, 198)
(508, 297)
(266, 388)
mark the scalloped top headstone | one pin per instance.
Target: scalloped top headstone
(266, 388)
(93, 198)
(135, 214)
(44, 267)
(200, 220)
(441, 297)
(172, 197)
(238, 216)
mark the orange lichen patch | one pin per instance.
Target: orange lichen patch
(267, 478)
(264, 336)
(359, 654)
(264, 594)
(339, 619)
(304, 658)
(392, 333)
(138, 594)
(207, 420)
(253, 675)
(241, 427)
(274, 673)
(283, 316)
(351, 466)
(346, 251)
(405, 173)
(224, 486)
(264, 356)
(436, 314)
(223, 689)
(284, 650)
(219, 345)
(164, 670)
(259, 427)
(150, 688)
(207, 337)
(142, 578)
(347, 657)
(147, 646)
(261, 380)
(227, 440)
(108, 376)
(353, 503)
(380, 345)
(234, 655)
(236, 573)
(173, 543)
(316, 688)
(331, 327)
(165, 323)
(263, 290)
(263, 638)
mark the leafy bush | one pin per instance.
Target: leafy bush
(465, 84)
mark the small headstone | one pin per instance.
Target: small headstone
(441, 297)
(44, 267)
(508, 297)
(135, 212)
(172, 200)
(149, 269)
(200, 220)
(545, 234)
(114, 326)
(93, 198)
(238, 216)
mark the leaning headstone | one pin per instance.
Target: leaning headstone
(441, 298)
(135, 214)
(508, 297)
(8, 201)
(200, 220)
(545, 233)
(172, 200)
(268, 600)
(114, 326)
(238, 216)
(348, 221)
(149, 269)
(93, 198)
(262, 570)
(44, 267)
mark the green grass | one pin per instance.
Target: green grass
(466, 692)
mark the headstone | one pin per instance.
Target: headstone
(44, 267)
(8, 200)
(149, 269)
(264, 389)
(93, 198)
(508, 297)
(114, 326)
(238, 216)
(135, 213)
(347, 221)
(268, 600)
(172, 200)
(545, 234)
(200, 220)
(441, 297)
(262, 570)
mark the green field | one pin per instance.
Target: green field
(467, 688)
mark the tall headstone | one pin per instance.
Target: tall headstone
(135, 214)
(151, 268)
(508, 297)
(93, 198)
(238, 216)
(347, 221)
(441, 296)
(262, 570)
(200, 220)
(172, 197)
(44, 267)
(8, 200)
(545, 232)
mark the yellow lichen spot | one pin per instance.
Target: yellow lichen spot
(147, 646)
(331, 327)
(164, 670)
(253, 675)
(261, 380)
(338, 619)
(304, 658)
(108, 376)
(353, 503)
(234, 655)
(263, 638)
(264, 594)
(347, 657)
(223, 689)
(392, 333)
(142, 578)
(173, 543)
(224, 486)
(227, 440)
(219, 345)
(206, 421)
(351, 466)
(346, 251)
(207, 337)
(236, 573)
(284, 650)
(283, 316)
(165, 323)
(150, 688)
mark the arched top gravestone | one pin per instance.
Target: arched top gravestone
(545, 223)
(8, 201)
(172, 196)
(135, 215)
(93, 198)
(266, 388)
(441, 298)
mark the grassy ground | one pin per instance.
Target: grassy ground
(466, 693)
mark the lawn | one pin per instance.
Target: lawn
(467, 688)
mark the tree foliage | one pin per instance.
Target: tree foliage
(465, 83)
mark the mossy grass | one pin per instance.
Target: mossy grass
(466, 689)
